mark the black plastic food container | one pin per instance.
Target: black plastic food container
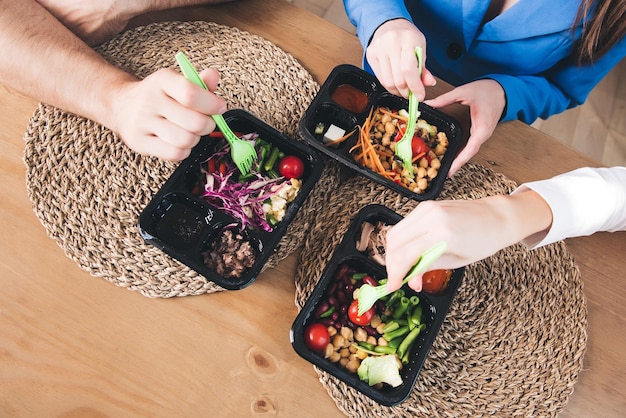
(324, 109)
(184, 226)
(434, 308)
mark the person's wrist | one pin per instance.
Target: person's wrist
(528, 213)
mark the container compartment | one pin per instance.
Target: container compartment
(324, 110)
(184, 225)
(434, 309)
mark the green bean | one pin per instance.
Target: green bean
(414, 300)
(328, 312)
(395, 296)
(395, 343)
(416, 315)
(396, 333)
(358, 276)
(271, 161)
(384, 349)
(390, 326)
(401, 308)
(366, 345)
(408, 341)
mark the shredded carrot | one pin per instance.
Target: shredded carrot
(339, 140)
(418, 156)
(392, 114)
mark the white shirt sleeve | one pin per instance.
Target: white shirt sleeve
(583, 201)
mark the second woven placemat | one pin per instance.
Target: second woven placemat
(87, 188)
(514, 339)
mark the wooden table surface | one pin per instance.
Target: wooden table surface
(73, 345)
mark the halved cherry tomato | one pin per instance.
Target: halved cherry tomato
(435, 281)
(291, 167)
(418, 146)
(316, 336)
(353, 314)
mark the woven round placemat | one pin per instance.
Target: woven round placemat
(514, 338)
(87, 188)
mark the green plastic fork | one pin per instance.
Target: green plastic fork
(242, 152)
(368, 294)
(403, 147)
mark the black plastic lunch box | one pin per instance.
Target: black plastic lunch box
(324, 110)
(435, 308)
(184, 226)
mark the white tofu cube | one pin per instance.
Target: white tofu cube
(333, 133)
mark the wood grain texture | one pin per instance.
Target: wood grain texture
(76, 346)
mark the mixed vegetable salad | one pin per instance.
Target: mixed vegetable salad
(258, 199)
(374, 345)
(375, 148)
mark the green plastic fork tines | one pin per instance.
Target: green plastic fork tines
(242, 152)
(403, 147)
(367, 295)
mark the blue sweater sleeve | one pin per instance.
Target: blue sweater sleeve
(562, 87)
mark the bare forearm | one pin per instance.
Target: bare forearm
(142, 6)
(46, 61)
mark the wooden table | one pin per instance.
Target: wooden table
(72, 345)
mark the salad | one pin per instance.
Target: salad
(258, 199)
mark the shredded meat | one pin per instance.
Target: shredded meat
(373, 240)
(230, 255)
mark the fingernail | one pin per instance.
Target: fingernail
(434, 83)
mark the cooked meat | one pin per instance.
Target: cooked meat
(373, 240)
(231, 255)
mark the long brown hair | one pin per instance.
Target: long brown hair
(604, 27)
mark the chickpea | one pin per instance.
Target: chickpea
(432, 173)
(344, 352)
(436, 163)
(353, 366)
(334, 357)
(392, 146)
(386, 140)
(371, 339)
(422, 184)
(376, 321)
(378, 134)
(385, 118)
(379, 328)
(338, 341)
(421, 172)
(386, 165)
(353, 357)
(329, 350)
(440, 149)
(332, 331)
(380, 127)
(360, 334)
(423, 162)
(383, 342)
(442, 139)
(346, 333)
(390, 128)
(343, 361)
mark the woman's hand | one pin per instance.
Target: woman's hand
(165, 115)
(486, 100)
(472, 230)
(391, 54)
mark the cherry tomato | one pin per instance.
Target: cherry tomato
(353, 314)
(316, 336)
(418, 146)
(291, 167)
(435, 281)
